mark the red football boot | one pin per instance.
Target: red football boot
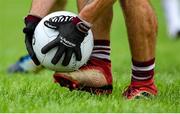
(135, 92)
(142, 82)
(95, 77)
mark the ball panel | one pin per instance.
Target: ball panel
(44, 35)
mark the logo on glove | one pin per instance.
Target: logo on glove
(66, 43)
(61, 19)
(57, 20)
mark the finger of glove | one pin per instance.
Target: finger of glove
(31, 52)
(78, 53)
(58, 55)
(67, 57)
(50, 45)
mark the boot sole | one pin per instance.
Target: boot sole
(65, 81)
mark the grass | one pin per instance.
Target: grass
(38, 93)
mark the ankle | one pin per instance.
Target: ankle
(142, 73)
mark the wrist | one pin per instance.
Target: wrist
(82, 25)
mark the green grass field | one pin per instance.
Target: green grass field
(38, 93)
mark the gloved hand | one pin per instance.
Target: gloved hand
(72, 31)
(30, 25)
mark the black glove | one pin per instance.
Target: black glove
(72, 32)
(31, 23)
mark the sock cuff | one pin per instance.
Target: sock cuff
(102, 42)
(101, 49)
(143, 71)
(143, 64)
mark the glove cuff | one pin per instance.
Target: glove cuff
(81, 24)
(32, 18)
(31, 22)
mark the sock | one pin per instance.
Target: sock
(101, 57)
(101, 50)
(142, 72)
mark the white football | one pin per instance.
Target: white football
(43, 35)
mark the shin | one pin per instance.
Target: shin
(142, 28)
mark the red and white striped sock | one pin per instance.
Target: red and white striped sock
(101, 50)
(142, 72)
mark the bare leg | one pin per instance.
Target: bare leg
(142, 28)
(141, 25)
(101, 28)
(48, 6)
